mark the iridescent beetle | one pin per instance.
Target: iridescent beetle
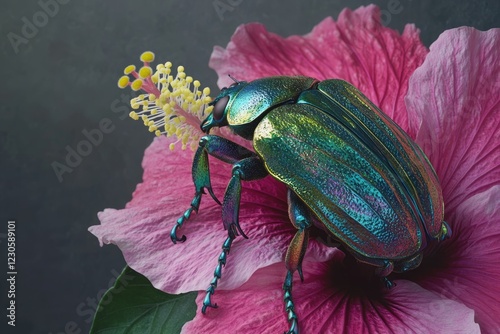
(349, 169)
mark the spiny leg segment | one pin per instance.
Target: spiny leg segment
(195, 205)
(207, 301)
(300, 218)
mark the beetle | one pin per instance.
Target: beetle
(349, 169)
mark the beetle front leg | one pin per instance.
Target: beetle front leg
(201, 179)
(300, 218)
(219, 148)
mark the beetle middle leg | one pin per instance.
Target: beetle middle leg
(300, 218)
(246, 166)
(250, 168)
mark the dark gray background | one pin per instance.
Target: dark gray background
(63, 80)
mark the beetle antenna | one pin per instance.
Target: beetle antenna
(229, 75)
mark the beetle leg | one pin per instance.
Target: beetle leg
(207, 301)
(221, 149)
(246, 166)
(201, 180)
(195, 204)
(300, 218)
(246, 169)
(384, 271)
(388, 283)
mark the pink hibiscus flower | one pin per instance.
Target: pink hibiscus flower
(450, 105)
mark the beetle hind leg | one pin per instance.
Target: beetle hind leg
(289, 306)
(300, 218)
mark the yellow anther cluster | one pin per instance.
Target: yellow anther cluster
(172, 105)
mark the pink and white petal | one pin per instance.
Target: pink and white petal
(141, 230)
(322, 307)
(454, 105)
(467, 264)
(356, 48)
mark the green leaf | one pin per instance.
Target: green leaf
(134, 306)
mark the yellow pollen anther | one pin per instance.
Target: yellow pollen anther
(123, 81)
(133, 115)
(147, 57)
(137, 84)
(129, 69)
(145, 72)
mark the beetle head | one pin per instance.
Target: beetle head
(218, 117)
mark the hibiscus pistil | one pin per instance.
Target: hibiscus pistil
(171, 105)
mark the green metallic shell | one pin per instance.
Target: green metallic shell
(363, 177)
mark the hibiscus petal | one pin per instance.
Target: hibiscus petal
(467, 265)
(323, 307)
(141, 230)
(356, 48)
(454, 105)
